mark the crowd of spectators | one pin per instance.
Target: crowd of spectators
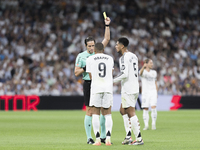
(40, 39)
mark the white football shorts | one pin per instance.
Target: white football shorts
(104, 100)
(129, 100)
(149, 99)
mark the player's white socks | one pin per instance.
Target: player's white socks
(153, 116)
(127, 125)
(96, 125)
(136, 127)
(109, 125)
(146, 117)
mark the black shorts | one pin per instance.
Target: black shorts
(86, 92)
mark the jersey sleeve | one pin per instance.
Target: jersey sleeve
(112, 64)
(78, 61)
(123, 70)
(155, 76)
(88, 66)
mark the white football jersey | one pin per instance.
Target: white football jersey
(148, 81)
(100, 66)
(129, 73)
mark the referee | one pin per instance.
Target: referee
(80, 68)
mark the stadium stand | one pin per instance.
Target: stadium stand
(40, 39)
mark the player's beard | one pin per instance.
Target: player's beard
(90, 51)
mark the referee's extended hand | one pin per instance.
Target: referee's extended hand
(107, 21)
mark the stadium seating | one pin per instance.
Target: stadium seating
(40, 39)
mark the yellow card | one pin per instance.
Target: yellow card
(104, 14)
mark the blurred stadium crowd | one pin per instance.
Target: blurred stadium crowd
(40, 39)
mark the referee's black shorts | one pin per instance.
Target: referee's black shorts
(86, 92)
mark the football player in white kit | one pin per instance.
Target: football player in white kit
(149, 93)
(100, 68)
(129, 88)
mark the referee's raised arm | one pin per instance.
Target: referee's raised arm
(107, 32)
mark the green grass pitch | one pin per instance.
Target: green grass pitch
(64, 130)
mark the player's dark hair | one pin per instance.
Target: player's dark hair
(89, 38)
(147, 60)
(124, 41)
(99, 47)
